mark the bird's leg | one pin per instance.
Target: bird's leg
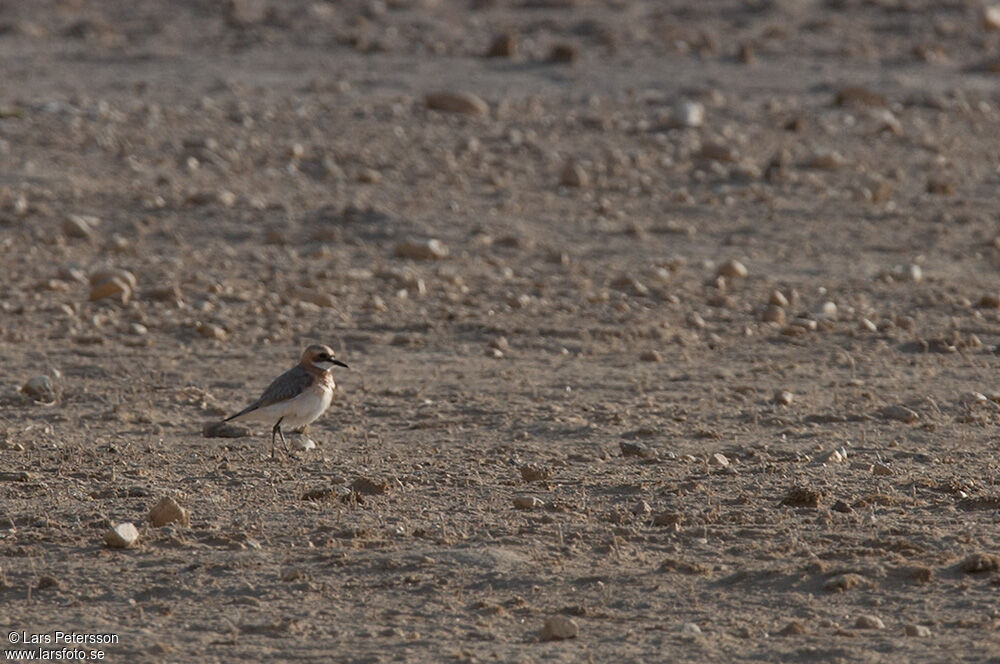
(283, 443)
(277, 431)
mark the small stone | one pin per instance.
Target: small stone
(793, 628)
(651, 356)
(802, 496)
(827, 311)
(642, 508)
(303, 443)
(422, 251)
(636, 450)
(527, 503)
(918, 631)
(882, 470)
(564, 54)
(719, 152)
(370, 487)
(783, 398)
(113, 288)
(167, 511)
(720, 460)
(225, 430)
(732, 269)
(990, 301)
(559, 628)
(991, 17)
(690, 629)
(836, 456)
(535, 473)
(122, 536)
(940, 187)
(976, 563)
(80, 226)
(777, 298)
(40, 389)
(695, 320)
(869, 622)
(858, 96)
(689, 114)
(826, 160)
(573, 175)
(900, 413)
(504, 46)
(868, 326)
(773, 314)
(842, 507)
(456, 102)
(212, 331)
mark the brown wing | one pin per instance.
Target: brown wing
(286, 386)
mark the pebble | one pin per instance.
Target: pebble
(719, 152)
(720, 460)
(869, 622)
(113, 288)
(826, 160)
(976, 563)
(919, 631)
(636, 450)
(689, 114)
(991, 17)
(527, 503)
(868, 326)
(695, 320)
(40, 389)
(573, 175)
(225, 430)
(564, 54)
(504, 46)
(422, 251)
(456, 102)
(167, 511)
(303, 443)
(690, 629)
(783, 398)
(370, 487)
(212, 331)
(837, 456)
(882, 469)
(122, 536)
(80, 226)
(642, 508)
(651, 356)
(777, 299)
(900, 413)
(732, 269)
(535, 473)
(559, 628)
(773, 314)
(827, 311)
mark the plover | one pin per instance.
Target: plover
(298, 396)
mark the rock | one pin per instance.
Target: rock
(642, 508)
(225, 430)
(900, 413)
(869, 622)
(370, 487)
(527, 503)
(651, 356)
(80, 226)
(719, 152)
(919, 631)
(773, 314)
(732, 269)
(858, 96)
(689, 114)
(559, 628)
(573, 175)
(167, 511)
(212, 331)
(783, 398)
(882, 469)
(777, 298)
(990, 301)
(40, 389)
(122, 536)
(793, 628)
(456, 102)
(112, 288)
(504, 46)
(564, 54)
(535, 473)
(303, 443)
(422, 251)
(695, 320)
(720, 460)
(826, 160)
(690, 629)
(636, 450)
(836, 456)
(867, 325)
(939, 187)
(802, 496)
(991, 17)
(976, 563)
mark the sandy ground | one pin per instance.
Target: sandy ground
(585, 410)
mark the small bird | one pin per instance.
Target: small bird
(298, 396)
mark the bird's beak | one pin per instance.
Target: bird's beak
(340, 364)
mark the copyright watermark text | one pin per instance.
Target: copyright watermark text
(56, 646)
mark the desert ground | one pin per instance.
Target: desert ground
(672, 329)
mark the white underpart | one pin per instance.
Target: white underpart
(323, 365)
(296, 412)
